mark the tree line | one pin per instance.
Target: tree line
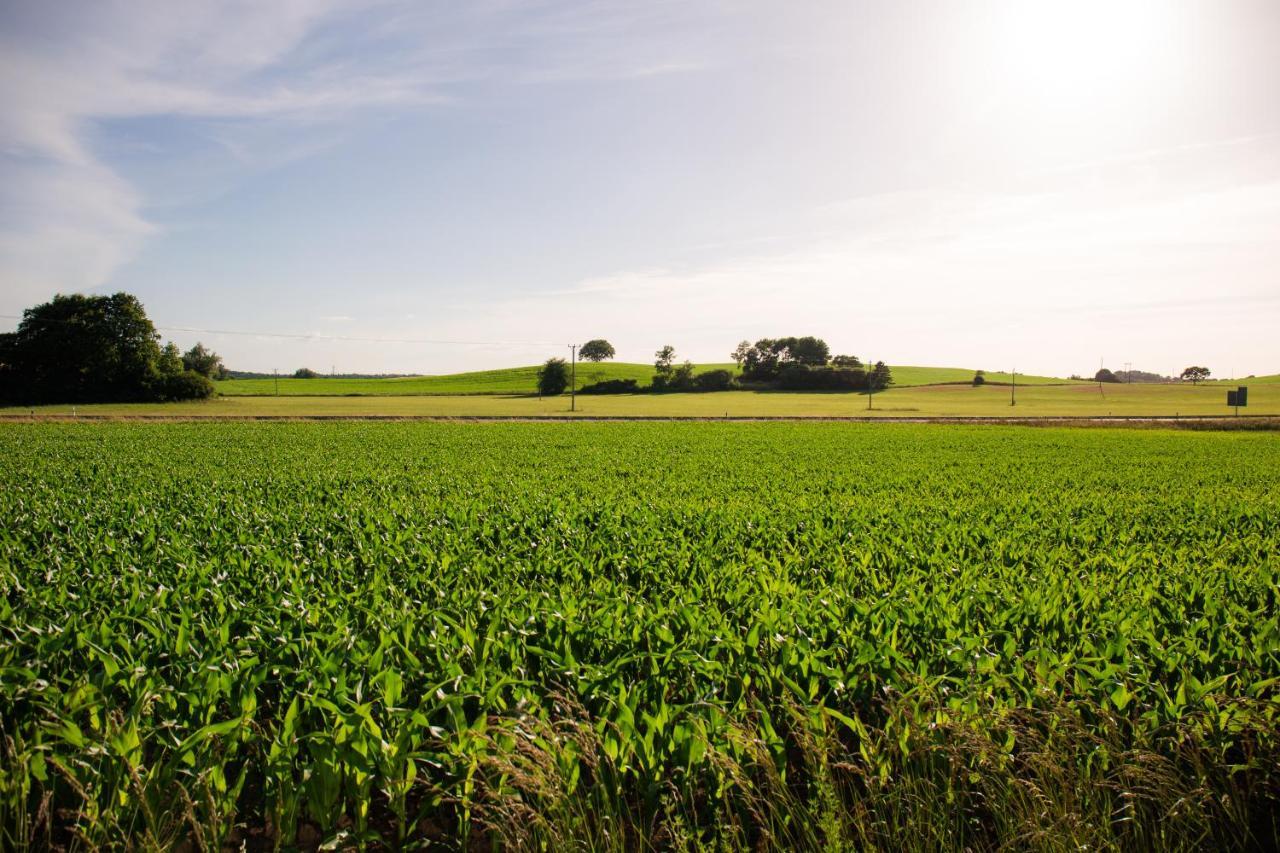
(790, 363)
(1194, 374)
(99, 349)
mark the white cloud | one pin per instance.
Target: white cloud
(70, 221)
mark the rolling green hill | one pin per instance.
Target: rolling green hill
(523, 380)
(511, 380)
(1271, 379)
(908, 376)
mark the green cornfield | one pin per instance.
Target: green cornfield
(637, 636)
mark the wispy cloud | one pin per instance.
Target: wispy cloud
(69, 220)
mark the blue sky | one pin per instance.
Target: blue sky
(976, 183)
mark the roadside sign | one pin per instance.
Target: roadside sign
(1238, 398)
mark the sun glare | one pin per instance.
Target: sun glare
(1090, 49)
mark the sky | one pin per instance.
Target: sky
(426, 187)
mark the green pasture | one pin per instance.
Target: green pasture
(1077, 400)
(523, 380)
(513, 380)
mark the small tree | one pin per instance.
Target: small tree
(879, 377)
(204, 361)
(847, 361)
(596, 350)
(740, 353)
(553, 377)
(664, 371)
(663, 360)
(170, 362)
(682, 377)
(305, 373)
(1195, 374)
(979, 378)
(760, 361)
(1105, 375)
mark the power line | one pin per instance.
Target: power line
(318, 337)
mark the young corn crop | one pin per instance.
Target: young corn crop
(637, 636)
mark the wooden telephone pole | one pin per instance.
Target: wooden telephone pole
(573, 377)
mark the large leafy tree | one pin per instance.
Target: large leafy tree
(90, 349)
(808, 350)
(1195, 374)
(85, 348)
(596, 350)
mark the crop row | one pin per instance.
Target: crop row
(376, 633)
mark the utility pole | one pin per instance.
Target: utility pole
(871, 383)
(1013, 387)
(573, 377)
(1128, 372)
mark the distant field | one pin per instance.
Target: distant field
(1079, 400)
(1271, 379)
(909, 376)
(524, 380)
(512, 380)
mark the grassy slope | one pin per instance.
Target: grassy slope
(1271, 379)
(909, 376)
(523, 380)
(932, 401)
(512, 380)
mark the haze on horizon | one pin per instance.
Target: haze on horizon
(989, 183)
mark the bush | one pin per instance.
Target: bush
(674, 378)
(979, 378)
(305, 373)
(553, 378)
(187, 385)
(713, 380)
(797, 377)
(611, 386)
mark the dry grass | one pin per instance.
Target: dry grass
(1060, 784)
